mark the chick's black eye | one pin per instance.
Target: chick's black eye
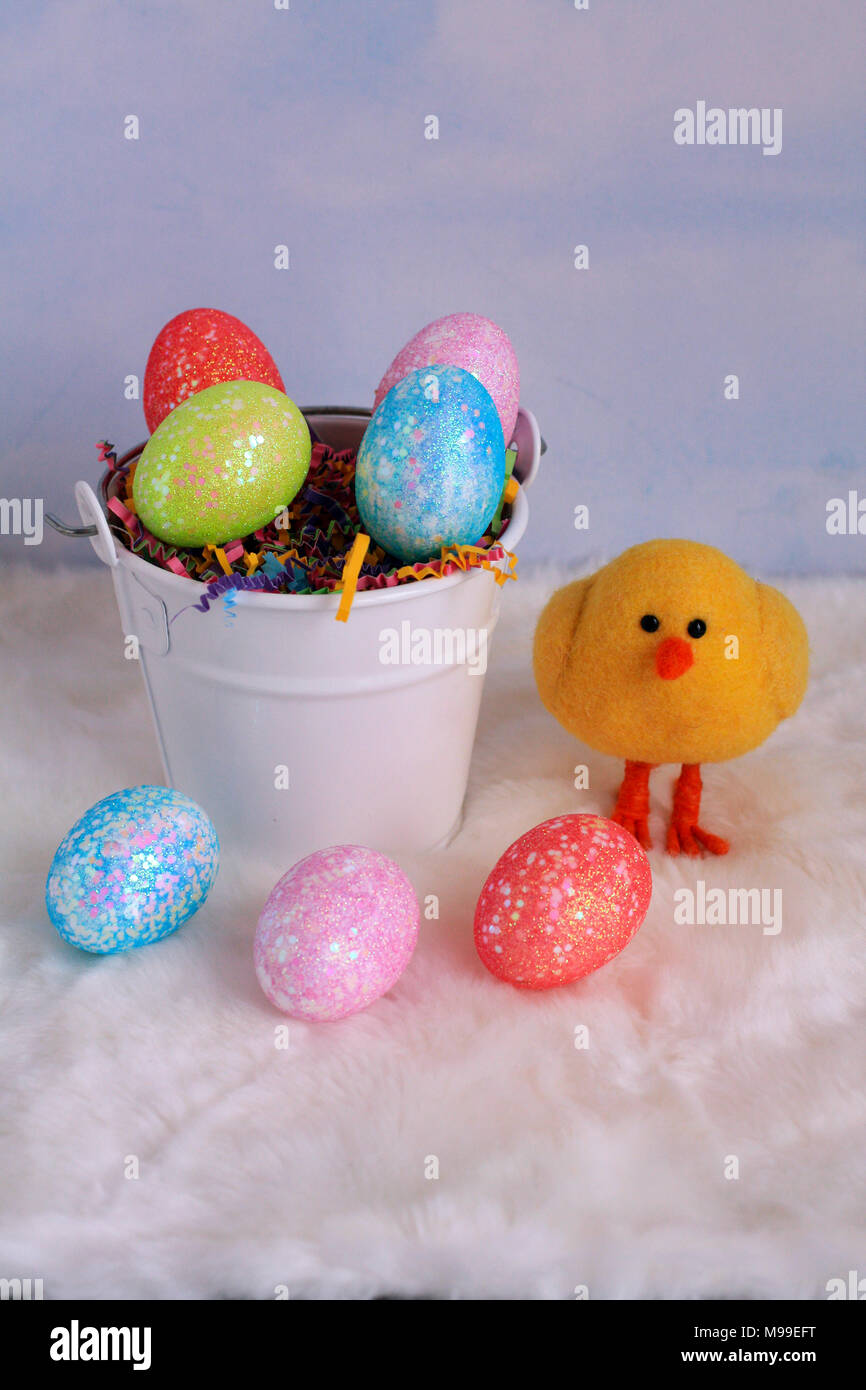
(650, 623)
(696, 628)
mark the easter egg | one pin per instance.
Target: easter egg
(197, 349)
(563, 900)
(131, 870)
(336, 933)
(221, 465)
(469, 341)
(431, 466)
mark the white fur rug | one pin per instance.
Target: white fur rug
(560, 1168)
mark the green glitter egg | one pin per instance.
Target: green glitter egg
(223, 463)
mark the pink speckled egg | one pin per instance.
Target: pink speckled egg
(469, 341)
(563, 900)
(336, 933)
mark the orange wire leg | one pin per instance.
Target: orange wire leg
(684, 833)
(632, 804)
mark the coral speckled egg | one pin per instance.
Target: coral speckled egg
(197, 349)
(221, 465)
(131, 870)
(469, 341)
(431, 466)
(562, 901)
(336, 933)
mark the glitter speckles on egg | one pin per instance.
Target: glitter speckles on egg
(131, 870)
(469, 341)
(336, 933)
(423, 480)
(197, 349)
(222, 464)
(580, 886)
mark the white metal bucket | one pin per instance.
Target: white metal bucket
(372, 753)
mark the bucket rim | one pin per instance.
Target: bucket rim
(153, 576)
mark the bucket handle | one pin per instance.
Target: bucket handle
(93, 524)
(526, 470)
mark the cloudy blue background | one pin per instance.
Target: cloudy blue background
(306, 127)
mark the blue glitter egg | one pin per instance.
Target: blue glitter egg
(431, 466)
(131, 870)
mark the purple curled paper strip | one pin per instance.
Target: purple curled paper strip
(231, 583)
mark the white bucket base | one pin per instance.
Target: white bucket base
(286, 726)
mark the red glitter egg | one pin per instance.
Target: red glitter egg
(563, 900)
(199, 348)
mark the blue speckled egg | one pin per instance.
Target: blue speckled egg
(431, 466)
(131, 870)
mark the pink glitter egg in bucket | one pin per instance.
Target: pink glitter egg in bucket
(562, 901)
(476, 344)
(336, 933)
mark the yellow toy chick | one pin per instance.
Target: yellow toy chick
(670, 654)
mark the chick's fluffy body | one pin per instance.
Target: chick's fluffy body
(595, 666)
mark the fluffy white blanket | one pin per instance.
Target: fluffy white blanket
(608, 1168)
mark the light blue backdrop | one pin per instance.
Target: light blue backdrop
(306, 127)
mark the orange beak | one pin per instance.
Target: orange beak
(673, 658)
